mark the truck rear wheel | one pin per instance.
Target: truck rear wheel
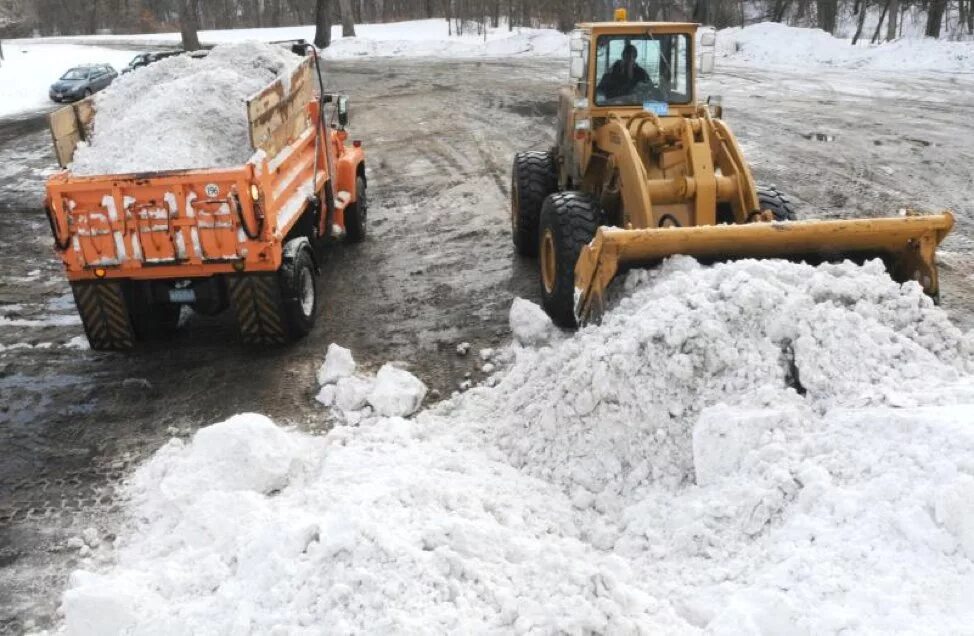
(356, 214)
(569, 221)
(104, 314)
(274, 307)
(533, 177)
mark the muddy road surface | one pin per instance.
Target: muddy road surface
(437, 269)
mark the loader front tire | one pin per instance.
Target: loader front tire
(533, 177)
(569, 221)
(780, 206)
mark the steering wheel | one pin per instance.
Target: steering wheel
(647, 90)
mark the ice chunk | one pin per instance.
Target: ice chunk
(396, 392)
(352, 393)
(338, 364)
(530, 324)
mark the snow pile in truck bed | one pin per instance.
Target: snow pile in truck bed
(751, 447)
(181, 112)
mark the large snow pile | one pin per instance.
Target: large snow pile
(752, 447)
(413, 38)
(181, 112)
(28, 70)
(774, 44)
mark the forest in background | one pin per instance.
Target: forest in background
(24, 18)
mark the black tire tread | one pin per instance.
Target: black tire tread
(573, 218)
(534, 177)
(355, 221)
(257, 302)
(104, 315)
(780, 205)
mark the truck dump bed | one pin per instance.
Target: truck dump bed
(193, 222)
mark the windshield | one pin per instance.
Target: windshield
(637, 70)
(76, 74)
(138, 59)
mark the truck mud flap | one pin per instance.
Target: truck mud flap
(105, 315)
(257, 302)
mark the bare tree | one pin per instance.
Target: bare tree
(322, 23)
(861, 22)
(827, 11)
(935, 15)
(189, 24)
(348, 18)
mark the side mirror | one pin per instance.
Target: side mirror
(708, 38)
(577, 69)
(706, 66)
(342, 110)
(715, 104)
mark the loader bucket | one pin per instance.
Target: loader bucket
(907, 246)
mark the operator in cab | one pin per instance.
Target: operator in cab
(624, 75)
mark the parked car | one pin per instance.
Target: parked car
(145, 59)
(82, 81)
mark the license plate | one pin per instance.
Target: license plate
(182, 296)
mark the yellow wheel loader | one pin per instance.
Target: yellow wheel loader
(642, 170)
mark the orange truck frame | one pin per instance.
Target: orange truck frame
(137, 247)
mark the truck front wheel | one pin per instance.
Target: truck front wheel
(299, 291)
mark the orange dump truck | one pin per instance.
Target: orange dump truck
(137, 247)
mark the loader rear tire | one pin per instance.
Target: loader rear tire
(569, 221)
(104, 315)
(770, 199)
(533, 177)
(356, 214)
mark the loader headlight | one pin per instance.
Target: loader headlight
(255, 193)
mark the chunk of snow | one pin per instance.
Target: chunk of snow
(530, 324)
(338, 364)
(326, 395)
(397, 393)
(352, 393)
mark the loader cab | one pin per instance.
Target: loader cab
(618, 66)
(601, 84)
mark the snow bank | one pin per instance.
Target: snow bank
(29, 69)
(415, 38)
(181, 112)
(774, 44)
(750, 447)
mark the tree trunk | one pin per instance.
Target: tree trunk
(322, 23)
(935, 14)
(894, 12)
(879, 25)
(827, 11)
(860, 23)
(348, 19)
(189, 24)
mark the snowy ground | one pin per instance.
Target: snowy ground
(29, 69)
(75, 422)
